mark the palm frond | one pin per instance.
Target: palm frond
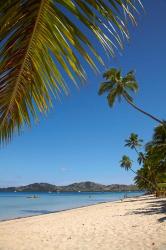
(132, 86)
(41, 37)
(112, 97)
(110, 74)
(105, 87)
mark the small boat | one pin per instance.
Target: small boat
(49, 192)
(79, 191)
(15, 191)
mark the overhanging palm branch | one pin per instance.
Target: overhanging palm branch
(41, 37)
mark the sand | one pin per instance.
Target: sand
(132, 224)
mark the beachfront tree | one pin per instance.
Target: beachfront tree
(158, 142)
(126, 163)
(144, 179)
(154, 163)
(43, 42)
(156, 149)
(141, 158)
(119, 87)
(133, 142)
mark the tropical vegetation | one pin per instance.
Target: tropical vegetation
(151, 175)
(154, 164)
(43, 41)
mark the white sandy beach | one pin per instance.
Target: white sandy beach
(135, 223)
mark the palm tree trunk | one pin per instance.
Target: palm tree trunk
(143, 157)
(136, 150)
(153, 185)
(142, 111)
(133, 171)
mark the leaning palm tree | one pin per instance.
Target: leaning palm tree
(159, 137)
(119, 87)
(145, 180)
(126, 163)
(156, 149)
(141, 158)
(133, 142)
(43, 40)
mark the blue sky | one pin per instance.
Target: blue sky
(82, 138)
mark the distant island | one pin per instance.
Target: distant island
(75, 187)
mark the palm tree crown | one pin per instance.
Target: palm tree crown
(119, 87)
(133, 142)
(126, 162)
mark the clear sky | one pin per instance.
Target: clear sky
(82, 138)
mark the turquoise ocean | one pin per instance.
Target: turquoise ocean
(22, 204)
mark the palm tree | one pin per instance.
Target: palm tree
(42, 40)
(144, 180)
(141, 158)
(159, 137)
(156, 150)
(126, 163)
(119, 87)
(133, 142)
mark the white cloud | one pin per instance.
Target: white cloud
(63, 169)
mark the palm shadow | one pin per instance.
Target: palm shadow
(154, 207)
(31, 211)
(144, 198)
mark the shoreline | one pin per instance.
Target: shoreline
(68, 209)
(135, 223)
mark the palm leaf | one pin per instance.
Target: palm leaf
(110, 74)
(132, 86)
(105, 87)
(41, 37)
(112, 97)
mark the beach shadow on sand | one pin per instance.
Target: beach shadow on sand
(36, 211)
(154, 207)
(136, 199)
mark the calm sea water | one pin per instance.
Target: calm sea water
(15, 205)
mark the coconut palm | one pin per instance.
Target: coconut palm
(144, 179)
(120, 87)
(133, 142)
(154, 162)
(141, 158)
(159, 138)
(156, 149)
(43, 40)
(126, 163)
